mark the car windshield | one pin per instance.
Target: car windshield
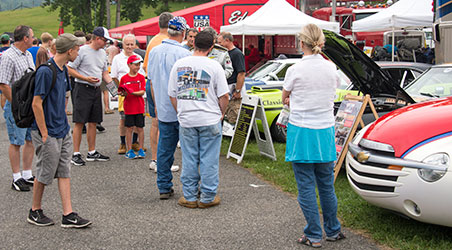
(436, 82)
(344, 80)
(265, 70)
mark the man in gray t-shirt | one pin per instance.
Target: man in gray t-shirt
(89, 69)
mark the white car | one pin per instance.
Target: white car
(402, 162)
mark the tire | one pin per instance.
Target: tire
(278, 133)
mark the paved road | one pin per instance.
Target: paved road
(122, 200)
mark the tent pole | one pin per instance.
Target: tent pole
(393, 41)
(243, 44)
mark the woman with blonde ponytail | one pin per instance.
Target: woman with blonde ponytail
(309, 90)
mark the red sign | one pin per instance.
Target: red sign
(233, 13)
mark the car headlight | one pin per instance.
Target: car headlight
(441, 159)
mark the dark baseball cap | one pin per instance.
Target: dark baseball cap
(102, 32)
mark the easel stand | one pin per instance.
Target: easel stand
(349, 114)
(250, 110)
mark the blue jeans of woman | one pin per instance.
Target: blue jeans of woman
(307, 176)
(200, 161)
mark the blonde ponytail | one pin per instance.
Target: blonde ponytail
(312, 36)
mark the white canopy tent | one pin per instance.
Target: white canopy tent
(404, 14)
(276, 17)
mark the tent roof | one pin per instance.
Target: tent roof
(277, 17)
(402, 14)
(150, 26)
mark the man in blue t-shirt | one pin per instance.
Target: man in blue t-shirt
(50, 134)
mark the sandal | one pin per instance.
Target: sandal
(305, 241)
(339, 236)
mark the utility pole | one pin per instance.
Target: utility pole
(333, 11)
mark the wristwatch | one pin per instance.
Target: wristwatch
(238, 90)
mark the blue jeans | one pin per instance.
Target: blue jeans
(307, 175)
(151, 105)
(200, 147)
(168, 138)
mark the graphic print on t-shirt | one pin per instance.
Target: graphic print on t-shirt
(192, 84)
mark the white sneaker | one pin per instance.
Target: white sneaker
(153, 165)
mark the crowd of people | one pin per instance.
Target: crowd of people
(190, 88)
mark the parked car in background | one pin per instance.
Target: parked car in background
(402, 162)
(435, 82)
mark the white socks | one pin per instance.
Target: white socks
(17, 176)
(27, 174)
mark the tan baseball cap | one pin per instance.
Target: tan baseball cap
(67, 41)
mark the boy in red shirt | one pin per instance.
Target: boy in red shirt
(133, 87)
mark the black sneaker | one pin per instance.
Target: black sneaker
(30, 181)
(97, 157)
(20, 185)
(100, 128)
(72, 220)
(77, 160)
(38, 218)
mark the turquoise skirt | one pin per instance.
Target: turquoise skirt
(305, 145)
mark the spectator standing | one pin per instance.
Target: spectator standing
(43, 53)
(6, 43)
(88, 70)
(15, 61)
(34, 49)
(119, 68)
(51, 135)
(199, 92)
(133, 86)
(309, 88)
(220, 54)
(164, 18)
(161, 60)
(237, 79)
(191, 33)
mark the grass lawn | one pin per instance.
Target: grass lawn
(41, 20)
(382, 225)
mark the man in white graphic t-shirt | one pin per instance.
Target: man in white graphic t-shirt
(199, 92)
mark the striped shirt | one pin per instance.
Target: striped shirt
(13, 65)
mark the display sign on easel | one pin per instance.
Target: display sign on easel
(250, 110)
(347, 118)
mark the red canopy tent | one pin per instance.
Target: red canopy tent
(214, 14)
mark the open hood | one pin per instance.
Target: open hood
(365, 74)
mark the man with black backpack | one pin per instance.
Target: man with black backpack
(51, 133)
(14, 64)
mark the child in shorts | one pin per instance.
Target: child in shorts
(133, 87)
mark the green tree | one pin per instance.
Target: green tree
(86, 14)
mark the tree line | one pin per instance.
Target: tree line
(86, 14)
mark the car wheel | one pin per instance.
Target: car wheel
(278, 133)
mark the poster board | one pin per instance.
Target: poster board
(346, 122)
(250, 109)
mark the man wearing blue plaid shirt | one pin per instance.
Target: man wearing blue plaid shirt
(15, 61)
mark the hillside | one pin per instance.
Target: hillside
(41, 20)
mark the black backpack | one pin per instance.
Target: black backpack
(22, 92)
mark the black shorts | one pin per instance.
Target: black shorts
(134, 121)
(87, 104)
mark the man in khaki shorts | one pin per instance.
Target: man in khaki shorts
(51, 134)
